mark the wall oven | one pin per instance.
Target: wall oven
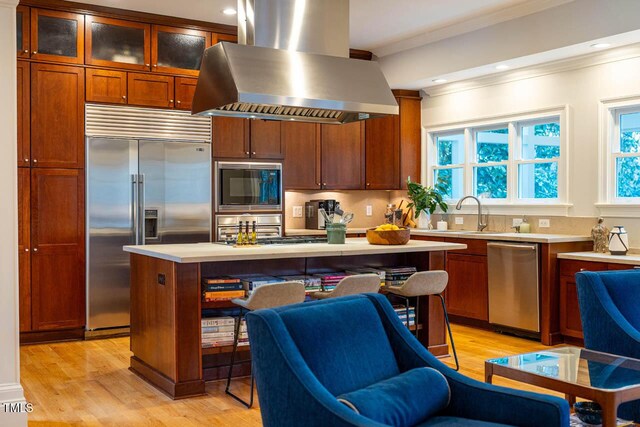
(244, 186)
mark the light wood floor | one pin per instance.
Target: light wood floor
(88, 383)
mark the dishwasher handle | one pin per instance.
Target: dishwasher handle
(512, 246)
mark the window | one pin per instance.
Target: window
(518, 161)
(626, 155)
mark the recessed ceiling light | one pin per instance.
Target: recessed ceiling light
(502, 67)
(600, 45)
(440, 80)
(229, 11)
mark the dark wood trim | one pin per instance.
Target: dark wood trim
(164, 384)
(39, 337)
(111, 12)
(404, 93)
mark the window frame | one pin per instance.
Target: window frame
(514, 123)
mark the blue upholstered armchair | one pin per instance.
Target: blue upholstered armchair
(610, 312)
(351, 362)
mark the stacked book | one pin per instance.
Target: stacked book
(221, 289)
(328, 281)
(252, 281)
(395, 276)
(401, 311)
(368, 270)
(220, 331)
(311, 283)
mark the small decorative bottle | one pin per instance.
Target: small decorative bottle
(254, 235)
(239, 238)
(600, 236)
(246, 236)
(618, 241)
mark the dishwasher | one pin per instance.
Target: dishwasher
(514, 295)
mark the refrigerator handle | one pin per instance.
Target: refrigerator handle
(134, 208)
(141, 214)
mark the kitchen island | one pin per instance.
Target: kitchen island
(166, 305)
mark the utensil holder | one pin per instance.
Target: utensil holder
(336, 233)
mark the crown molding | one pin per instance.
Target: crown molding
(534, 71)
(8, 3)
(466, 25)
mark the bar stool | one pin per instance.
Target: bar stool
(265, 296)
(351, 285)
(425, 283)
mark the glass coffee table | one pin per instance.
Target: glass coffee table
(604, 378)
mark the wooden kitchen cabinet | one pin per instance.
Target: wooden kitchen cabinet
(230, 138)
(23, 83)
(343, 156)
(382, 153)
(219, 37)
(24, 250)
(265, 140)
(108, 86)
(118, 43)
(57, 116)
(57, 249)
(22, 32)
(150, 90)
(467, 291)
(410, 135)
(57, 36)
(185, 89)
(178, 50)
(301, 143)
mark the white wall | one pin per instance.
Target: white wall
(582, 89)
(10, 389)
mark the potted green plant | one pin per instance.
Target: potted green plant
(425, 200)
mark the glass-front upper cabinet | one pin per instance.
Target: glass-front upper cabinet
(178, 50)
(118, 43)
(22, 31)
(57, 36)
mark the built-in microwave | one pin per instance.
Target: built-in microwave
(245, 186)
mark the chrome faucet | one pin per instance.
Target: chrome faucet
(481, 225)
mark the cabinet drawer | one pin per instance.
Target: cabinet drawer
(571, 267)
(474, 246)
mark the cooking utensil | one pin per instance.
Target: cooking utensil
(347, 218)
(326, 217)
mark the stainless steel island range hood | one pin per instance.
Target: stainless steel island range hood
(291, 63)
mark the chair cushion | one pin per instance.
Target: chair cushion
(403, 400)
(458, 422)
(624, 288)
(343, 343)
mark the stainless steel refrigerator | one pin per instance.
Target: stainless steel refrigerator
(141, 192)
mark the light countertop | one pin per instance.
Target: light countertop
(214, 252)
(632, 259)
(485, 235)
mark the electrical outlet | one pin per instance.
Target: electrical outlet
(297, 211)
(516, 222)
(369, 210)
(459, 220)
(544, 223)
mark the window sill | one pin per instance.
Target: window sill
(619, 209)
(524, 209)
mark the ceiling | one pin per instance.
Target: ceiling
(375, 24)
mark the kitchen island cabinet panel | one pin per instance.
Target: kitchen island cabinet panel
(57, 116)
(301, 143)
(57, 255)
(343, 156)
(382, 157)
(24, 111)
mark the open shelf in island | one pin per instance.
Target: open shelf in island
(166, 306)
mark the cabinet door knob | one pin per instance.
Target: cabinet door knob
(318, 184)
(253, 153)
(368, 185)
(25, 51)
(35, 161)
(178, 102)
(35, 249)
(26, 160)
(124, 96)
(26, 249)
(155, 65)
(171, 100)
(324, 183)
(246, 152)
(34, 52)
(146, 65)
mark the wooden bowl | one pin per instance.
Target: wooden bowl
(388, 237)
